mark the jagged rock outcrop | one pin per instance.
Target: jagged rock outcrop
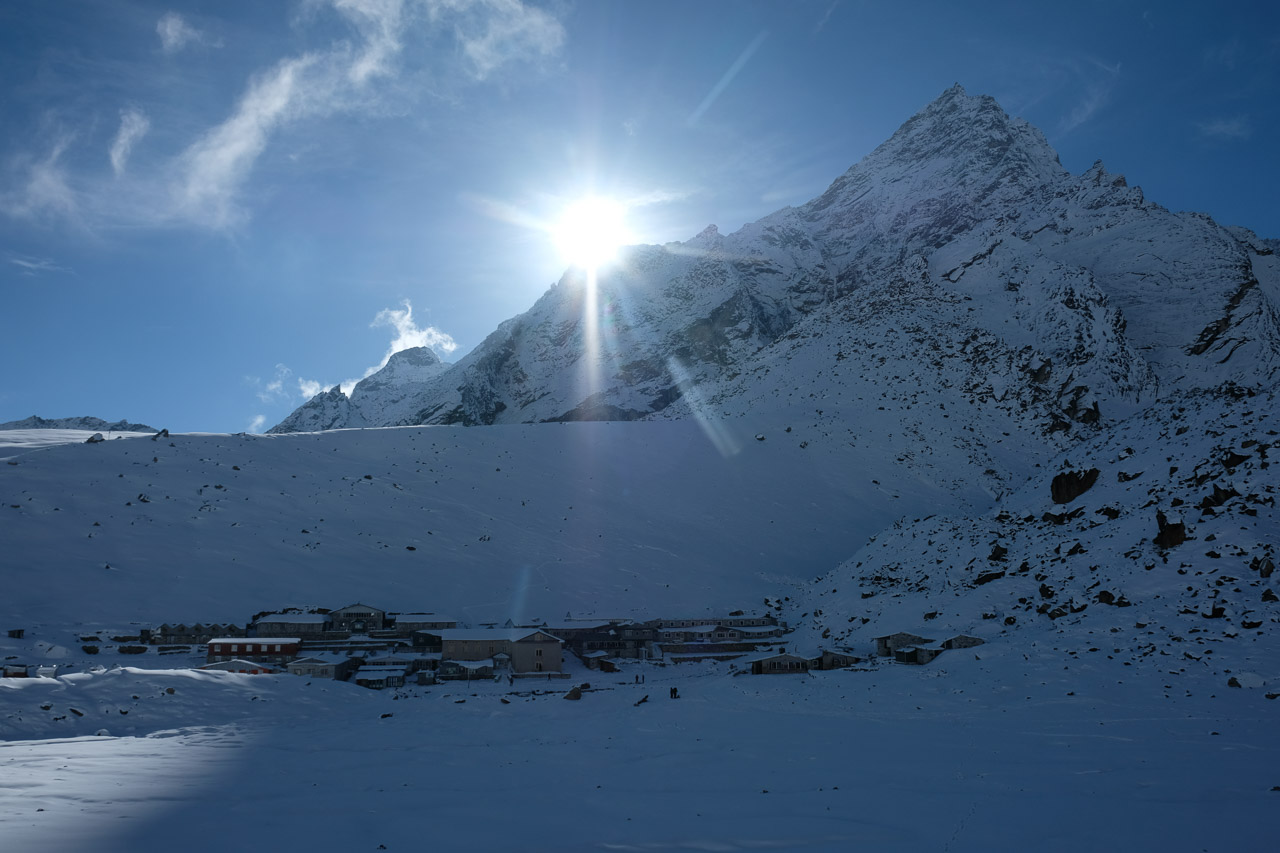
(1069, 485)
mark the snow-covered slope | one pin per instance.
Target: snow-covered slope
(1157, 540)
(511, 521)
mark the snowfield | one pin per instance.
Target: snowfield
(996, 752)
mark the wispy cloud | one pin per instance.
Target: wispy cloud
(1100, 79)
(175, 34)
(380, 23)
(322, 83)
(273, 390)
(203, 183)
(257, 423)
(826, 16)
(409, 334)
(43, 187)
(133, 126)
(493, 33)
(308, 388)
(32, 266)
(215, 166)
(1226, 128)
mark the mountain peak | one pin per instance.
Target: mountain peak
(957, 161)
(415, 356)
(973, 131)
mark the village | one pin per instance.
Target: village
(378, 649)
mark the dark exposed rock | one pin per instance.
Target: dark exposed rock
(1171, 533)
(987, 577)
(1264, 566)
(1232, 460)
(1218, 498)
(1062, 517)
(1070, 485)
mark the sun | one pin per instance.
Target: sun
(591, 231)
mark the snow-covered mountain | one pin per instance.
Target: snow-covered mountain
(387, 397)
(86, 423)
(959, 253)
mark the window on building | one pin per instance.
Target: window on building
(537, 653)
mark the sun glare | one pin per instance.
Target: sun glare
(591, 231)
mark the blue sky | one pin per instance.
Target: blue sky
(210, 209)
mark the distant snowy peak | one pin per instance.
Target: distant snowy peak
(384, 398)
(403, 368)
(85, 423)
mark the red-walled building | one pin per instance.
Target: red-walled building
(258, 649)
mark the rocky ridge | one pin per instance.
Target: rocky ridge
(85, 423)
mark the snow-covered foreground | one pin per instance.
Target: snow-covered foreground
(977, 752)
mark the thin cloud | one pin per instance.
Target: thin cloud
(133, 126)
(215, 166)
(44, 188)
(203, 184)
(493, 33)
(32, 266)
(258, 422)
(1097, 94)
(826, 16)
(175, 34)
(652, 197)
(1226, 128)
(213, 170)
(409, 334)
(308, 388)
(273, 391)
(380, 22)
